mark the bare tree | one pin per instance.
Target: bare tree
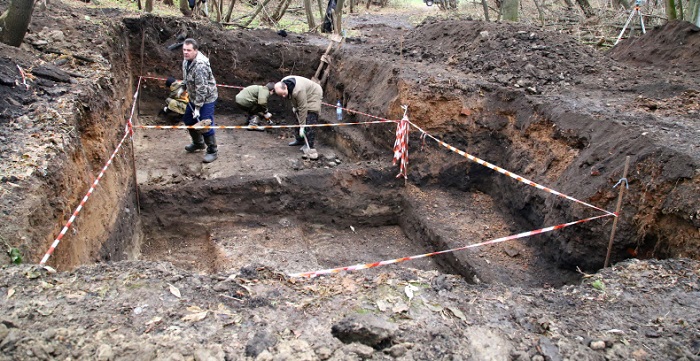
(671, 9)
(281, 9)
(695, 12)
(586, 7)
(15, 21)
(230, 11)
(309, 14)
(339, 16)
(185, 8)
(509, 10)
(486, 10)
(148, 7)
(261, 5)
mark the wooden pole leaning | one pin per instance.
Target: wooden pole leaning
(617, 209)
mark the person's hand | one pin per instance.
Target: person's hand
(301, 132)
(267, 115)
(195, 113)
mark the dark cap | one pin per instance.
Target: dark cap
(170, 81)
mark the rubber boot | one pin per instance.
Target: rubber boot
(197, 141)
(254, 122)
(298, 141)
(212, 149)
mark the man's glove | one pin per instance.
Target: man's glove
(301, 132)
(267, 116)
(195, 113)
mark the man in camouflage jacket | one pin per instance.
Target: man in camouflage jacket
(201, 87)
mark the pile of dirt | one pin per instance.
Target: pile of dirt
(674, 45)
(507, 54)
(143, 310)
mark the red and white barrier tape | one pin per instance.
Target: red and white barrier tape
(82, 202)
(128, 130)
(257, 126)
(397, 260)
(24, 77)
(401, 147)
(330, 105)
(510, 174)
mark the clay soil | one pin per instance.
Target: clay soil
(207, 277)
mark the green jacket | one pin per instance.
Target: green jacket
(253, 95)
(178, 99)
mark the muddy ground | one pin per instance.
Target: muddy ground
(211, 246)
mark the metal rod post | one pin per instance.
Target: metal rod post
(625, 27)
(617, 211)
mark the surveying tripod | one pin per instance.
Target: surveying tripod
(636, 10)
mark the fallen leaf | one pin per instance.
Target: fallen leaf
(194, 309)
(400, 308)
(195, 317)
(382, 305)
(174, 291)
(434, 308)
(10, 293)
(156, 319)
(457, 313)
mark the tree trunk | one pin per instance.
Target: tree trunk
(671, 10)
(138, 4)
(486, 10)
(339, 16)
(148, 6)
(540, 12)
(586, 7)
(321, 9)
(352, 7)
(309, 14)
(695, 12)
(230, 10)
(216, 7)
(281, 9)
(257, 11)
(569, 4)
(509, 10)
(185, 8)
(15, 21)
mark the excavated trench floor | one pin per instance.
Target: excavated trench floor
(261, 205)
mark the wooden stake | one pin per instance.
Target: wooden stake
(617, 210)
(143, 45)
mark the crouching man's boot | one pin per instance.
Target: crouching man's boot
(212, 150)
(197, 141)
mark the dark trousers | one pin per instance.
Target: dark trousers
(205, 112)
(309, 132)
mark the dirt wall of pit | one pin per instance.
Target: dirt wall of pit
(107, 226)
(542, 140)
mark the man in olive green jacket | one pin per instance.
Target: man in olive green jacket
(253, 100)
(306, 98)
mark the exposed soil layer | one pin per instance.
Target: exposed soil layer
(643, 310)
(224, 236)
